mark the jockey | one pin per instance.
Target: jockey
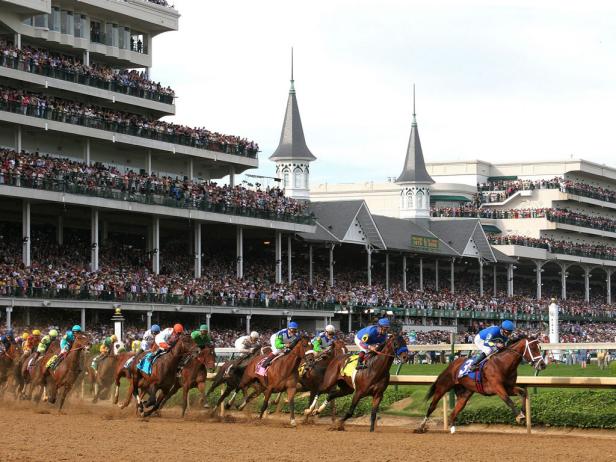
(43, 345)
(32, 342)
(324, 340)
(166, 339)
(491, 339)
(370, 338)
(280, 342)
(135, 346)
(7, 340)
(105, 349)
(246, 343)
(201, 337)
(66, 343)
(147, 342)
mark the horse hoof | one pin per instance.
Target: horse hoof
(420, 430)
(520, 419)
(452, 430)
(293, 423)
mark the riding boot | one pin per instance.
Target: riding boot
(269, 359)
(477, 360)
(360, 360)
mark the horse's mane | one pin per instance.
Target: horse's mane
(516, 339)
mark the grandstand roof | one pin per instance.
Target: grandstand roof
(465, 236)
(292, 144)
(414, 165)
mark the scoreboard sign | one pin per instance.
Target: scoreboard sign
(424, 243)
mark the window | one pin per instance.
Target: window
(285, 179)
(96, 34)
(28, 21)
(124, 38)
(67, 26)
(298, 178)
(55, 19)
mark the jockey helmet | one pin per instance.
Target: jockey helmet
(178, 328)
(76, 328)
(9, 333)
(25, 336)
(113, 338)
(53, 333)
(254, 335)
(36, 332)
(508, 325)
(155, 329)
(292, 325)
(330, 329)
(204, 327)
(384, 322)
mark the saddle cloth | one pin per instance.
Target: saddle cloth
(262, 371)
(146, 363)
(129, 362)
(476, 376)
(51, 361)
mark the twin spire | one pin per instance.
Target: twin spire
(414, 170)
(292, 144)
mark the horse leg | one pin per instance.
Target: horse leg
(266, 397)
(185, 390)
(436, 397)
(247, 398)
(202, 400)
(462, 398)
(332, 395)
(376, 401)
(222, 398)
(522, 393)
(229, 403)
(291, 397)
(356, 398)
(313, 400)
(502, 394)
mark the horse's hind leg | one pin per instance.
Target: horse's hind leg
(266, 397)
(247, 398)
(356, 398)
(462, 396)
(438, 394)
(376, 401)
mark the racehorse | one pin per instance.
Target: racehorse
(311, 380)
(120, 371)
(194, 374)
(38, 372)
(499, 376)
(66, 373)
(281, 375)
(372, 381)
(102, 378)
(163, 377)
(236, 368)
(7, 359)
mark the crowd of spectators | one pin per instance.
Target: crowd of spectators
(603, 252)
(66, 67)
(74, 112)
(48, 172)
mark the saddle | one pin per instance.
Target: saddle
(146, 363)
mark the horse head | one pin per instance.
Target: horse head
(339, 346)
(82, 342)
(529, 350)
(207, 357)
(299, 345)
(400, 350)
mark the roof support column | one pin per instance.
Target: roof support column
(331, 265)
(191, 169)
(452, 271)
(18, 143)
(156, 245)
(278, 257)
(421, 281)
(9, 310)
(148, 316)
(494, 286)
(289, 259)
(26, 256)
(310, 259)
(586, 284)
(404, 273)
(239, 252)
(86, 151)
(248, 318)
(197, 248)
(538, 271)
(608, 285)
(17, 40)
(510, 280)
(369, 264)
(480, 277)
(563, 281)
(83, 320)
(387, 272)
(148, 162)
(94, 240)
(436, 275)
(86, 57)
(232, 176)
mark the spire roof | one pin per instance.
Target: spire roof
(292, 144)
(414, 170)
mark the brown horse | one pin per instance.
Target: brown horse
(66, 373)
(372, 381)
(500, 374)
(194, 374)
(120, 372)
(163, 377)
(102, 378)
(7, 360)
(312, 379)
(281, 376)
(38, 373)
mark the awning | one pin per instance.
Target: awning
(445, 198)
(502, 178)
(491, 229)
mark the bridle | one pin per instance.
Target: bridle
(535, 360)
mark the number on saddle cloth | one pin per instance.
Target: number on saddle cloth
(465, 371)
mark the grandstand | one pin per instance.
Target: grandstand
(103, 205)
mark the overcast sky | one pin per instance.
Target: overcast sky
(497, 81)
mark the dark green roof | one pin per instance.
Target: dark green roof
(501, 178)
(491, 229)
(446, 198)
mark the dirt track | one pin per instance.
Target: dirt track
(104, 433)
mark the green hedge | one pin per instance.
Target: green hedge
(584, 409)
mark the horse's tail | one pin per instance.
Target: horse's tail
(445, 374)
(431, 390)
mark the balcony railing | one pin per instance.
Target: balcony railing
(83, 79)
(65, 185)
(125, 127)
